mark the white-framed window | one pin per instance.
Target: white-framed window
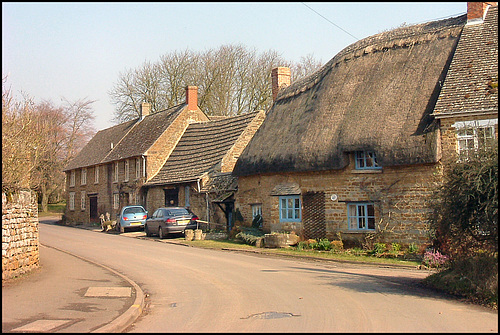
(290, 208)
(115, 172)
(82, 200)
(366, 160)
(83, 179)
(187, 202)
(71, 201)
(72, 178)
(137, 168)
(474, 135)
(127, 170)
(257, 211)
(116, 201)
(361, 216)
(96, 174)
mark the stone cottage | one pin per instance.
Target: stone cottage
(109, 171)
(357, 147)
(197, 174)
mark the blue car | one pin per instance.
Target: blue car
(131, 217)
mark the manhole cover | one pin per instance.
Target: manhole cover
(271, 315)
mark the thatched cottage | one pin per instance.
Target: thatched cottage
(357, 147)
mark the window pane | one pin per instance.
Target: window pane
(361, 223)
(297, 214)
(289, 214)
(371, 223)
(371, 210)
(352, 210)
(353, 223)
(297, 203)
(361, 210)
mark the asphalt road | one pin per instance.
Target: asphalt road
(198, 290)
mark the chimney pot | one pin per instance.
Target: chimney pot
(145, 109)
(192, 97)
(280, 79)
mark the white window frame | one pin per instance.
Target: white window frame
(127, 170)
(71, 201)
(115, 172)
(359, 216)
(290, 208)
(72, 174)
(469, 135)
(82, 200)
(83, 177)
(96, 174)
(257, 210)
(187, 202)
(137, 168)
(116, 200)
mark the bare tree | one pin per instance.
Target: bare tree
(38, 140)
(231, 80)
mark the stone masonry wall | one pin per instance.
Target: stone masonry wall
(398, 193)
(20, 242)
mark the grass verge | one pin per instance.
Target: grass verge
(290, 251)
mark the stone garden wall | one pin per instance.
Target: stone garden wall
(20, 243)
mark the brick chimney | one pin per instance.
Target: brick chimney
(280, 79)
(192, 97)
(477, 10)
(145, 109)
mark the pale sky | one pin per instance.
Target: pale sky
(77, 50)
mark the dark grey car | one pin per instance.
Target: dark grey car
(167, 220)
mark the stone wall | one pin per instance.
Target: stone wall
(20, 243)
(399, 195)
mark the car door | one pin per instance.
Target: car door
(153, 222)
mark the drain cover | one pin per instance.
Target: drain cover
(271, 315)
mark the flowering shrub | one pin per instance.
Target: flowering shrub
(434, 259)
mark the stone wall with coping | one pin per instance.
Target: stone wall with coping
(20, 238)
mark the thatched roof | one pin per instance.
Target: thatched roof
(129, 139)
(471, 85)
(376, 94)
(201, 149)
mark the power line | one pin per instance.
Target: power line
(331, 22)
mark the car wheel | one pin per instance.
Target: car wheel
(118, 226)
(161, 235)
(146, 230)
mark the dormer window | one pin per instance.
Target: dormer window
(366, 160)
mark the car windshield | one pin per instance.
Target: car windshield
(133, 210)
(179, 211)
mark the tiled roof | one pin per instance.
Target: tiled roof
(201, 148)
(144, 134)
(469, 85)
(128, 139)
(99, 146)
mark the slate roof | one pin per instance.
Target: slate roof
(144, 134)
(129, 139)
(376, 94)
(469, 84)
(201, 149)
(99, 146)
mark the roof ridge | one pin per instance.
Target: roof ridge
(407, 37)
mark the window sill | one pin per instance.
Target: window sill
(358, 231)
(367, 171)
